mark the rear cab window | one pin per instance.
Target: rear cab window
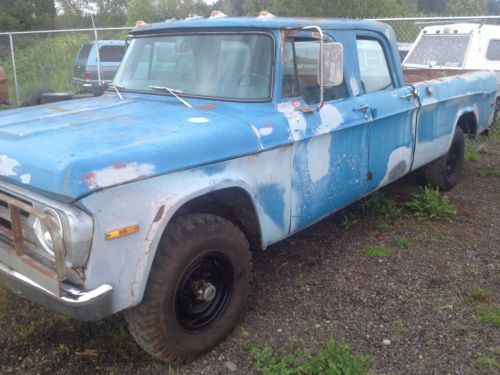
(111, 53)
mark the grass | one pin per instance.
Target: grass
(348, 221)
(377, 251)
(488, 314)
(480, 295)
(398, 328)
(488, 362)
(403, 243)
(379, 204)
(471, 155)
(493, 173)
(428, 203)
(332, 358)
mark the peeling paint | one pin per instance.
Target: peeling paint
(354, 86)
(117, 174)
(25, 178)
(331, 119)
(8, 166)
(397, 165)
(198, 120)
(318, 157)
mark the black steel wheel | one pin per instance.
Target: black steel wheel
(196, 291)
(444, 173)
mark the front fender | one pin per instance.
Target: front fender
(125, 262)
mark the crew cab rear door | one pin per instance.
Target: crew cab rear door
(393, 111)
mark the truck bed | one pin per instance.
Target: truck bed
(420, 75)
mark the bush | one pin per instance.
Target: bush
(428, 203)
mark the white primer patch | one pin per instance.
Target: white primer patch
(318, 157)
(401, 154)
(331, 119)
(266, 130)
(198, 120)
(25, 178)
(8, 166)
(117, 174)
(425, 152)
(354, 86)
(296, 119)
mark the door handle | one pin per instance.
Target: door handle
(363, 108)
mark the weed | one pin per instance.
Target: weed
(489, 314)
(379, 204)
(377, 251)
(478, 294)
(348, 221)
(493, 173)
(300, 280)
(333, 358)
(488, 362)
(428, 203)
(398, 328)
(471, 155)
(403, 243)
(382, 225)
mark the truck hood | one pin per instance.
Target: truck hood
(69, 149)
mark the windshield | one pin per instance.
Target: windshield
(232, 66)
(440, 50)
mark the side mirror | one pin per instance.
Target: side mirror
(333, 65)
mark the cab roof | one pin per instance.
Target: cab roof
(267, 23)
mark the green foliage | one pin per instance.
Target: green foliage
(478, 294)
(377, 251)
(428, 203)
(471, 155)
(398, 328)
(159, 10)
(332, 359)
(18, 15)
(493, 173)
(403, 243)
(379, 204)
(348, 221)
(466, 7)
(488, 362)
(489, 314)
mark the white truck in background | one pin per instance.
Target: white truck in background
(454, 48)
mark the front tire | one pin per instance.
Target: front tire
(196, 291)
(444, 173)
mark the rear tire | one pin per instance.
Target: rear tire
(444, 173)
(196, 291)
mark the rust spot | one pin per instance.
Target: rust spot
(207, 106)
(120, 166)
(159, 214)
(90, 179)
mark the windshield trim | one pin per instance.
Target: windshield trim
(177, 32)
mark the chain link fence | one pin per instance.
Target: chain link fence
(45, 59)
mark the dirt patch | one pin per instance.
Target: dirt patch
(318, 285)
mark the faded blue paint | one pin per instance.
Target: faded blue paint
(296, 167)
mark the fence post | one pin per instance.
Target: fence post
(14, 67)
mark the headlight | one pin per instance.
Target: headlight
(42, 232)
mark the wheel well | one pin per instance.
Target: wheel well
(233, 204)
(468, 123)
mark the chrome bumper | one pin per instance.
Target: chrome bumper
(82, 305)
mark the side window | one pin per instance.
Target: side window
(300, 73)
(373, 66)
(493, 52)
(111, 53)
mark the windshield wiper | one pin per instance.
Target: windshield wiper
(172, 92)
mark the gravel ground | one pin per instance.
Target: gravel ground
(320, 284)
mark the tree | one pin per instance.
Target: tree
(431, 6)
(18, 15)
(466, 7)
(160, 10)
(140, 10)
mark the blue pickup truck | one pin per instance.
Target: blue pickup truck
(218, 136)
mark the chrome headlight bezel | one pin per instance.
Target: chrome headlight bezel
(42, 233)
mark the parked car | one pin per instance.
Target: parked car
(456, 48)
(218, 136)
(85, 70)
(4, 89)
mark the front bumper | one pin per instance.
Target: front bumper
(88, 306)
